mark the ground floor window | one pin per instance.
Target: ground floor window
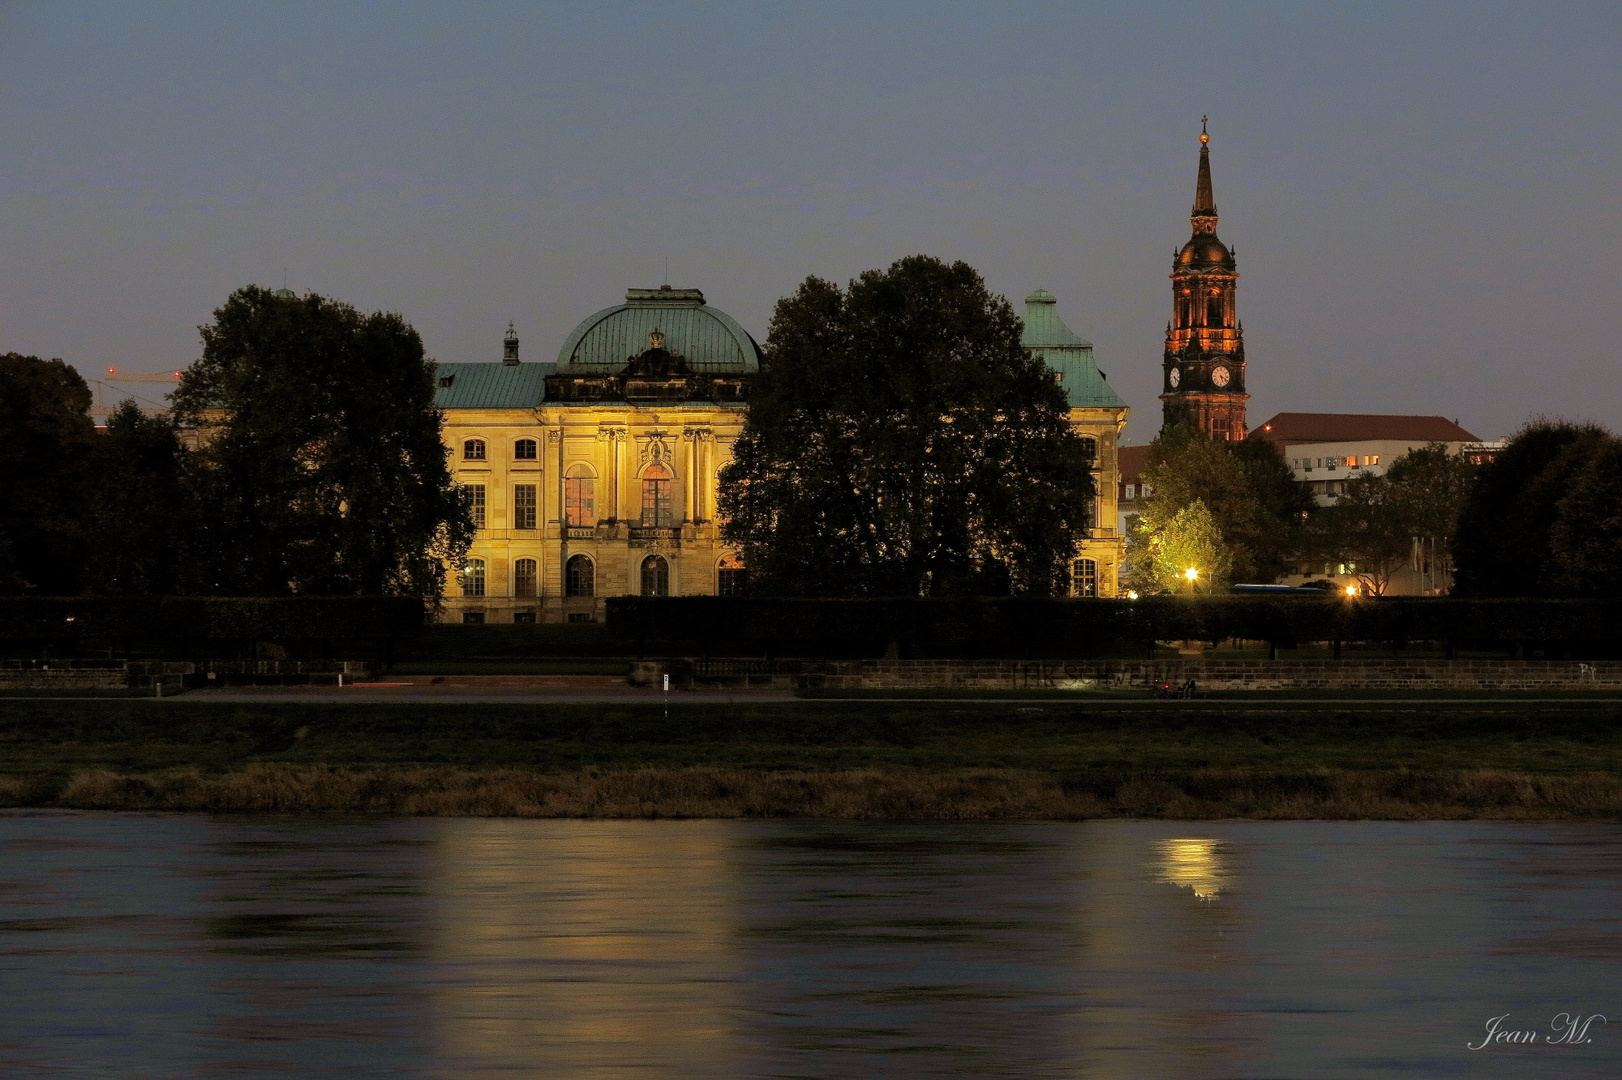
(472, 579)
(731, 579)
(579, 577)
(655, 576)
(473, 618)
(1084, 578)
(524, 577)
(523, 616)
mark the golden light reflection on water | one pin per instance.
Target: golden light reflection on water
(588, 949)
(1197, 864)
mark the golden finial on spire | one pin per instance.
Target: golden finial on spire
(1204, 138)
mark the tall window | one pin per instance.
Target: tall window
(523, 506)
(579, 497)
(655, 576)
(579, 577)
(731, 579)
(472, 578)
(655, 500)
(473, 450)
(475, 495)
(1084, 578)
(525, 450)
(524, 577)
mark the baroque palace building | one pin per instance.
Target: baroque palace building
(1204, 360)
(596, 475)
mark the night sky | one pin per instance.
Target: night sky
(1424, 198)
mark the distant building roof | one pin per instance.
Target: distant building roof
(1289, 428)
(710, 340)
(1066, 352)
(1132, 460)
(490, 386)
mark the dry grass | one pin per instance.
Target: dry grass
(852, 795)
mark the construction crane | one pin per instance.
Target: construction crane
(102, 409)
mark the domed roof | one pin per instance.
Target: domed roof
(1204, 249)
(710, 340)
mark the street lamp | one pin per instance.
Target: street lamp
(1192, 575)
(1351, 590)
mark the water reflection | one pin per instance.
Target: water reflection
(585, 948)
(146, 945)
(1194, 864)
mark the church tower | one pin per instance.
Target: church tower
(1204, 363)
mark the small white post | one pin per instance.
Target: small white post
(157, 684)
(340, 680)
(667, 695)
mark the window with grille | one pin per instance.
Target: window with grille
(1084, 578)
(525, 450)
(473, 450)
(656, 499)
(655, 576)
(731, 579)
(524, 506)
(579, 577)
(524, 577)
(579, 497)
(472, 578)
(475, 498)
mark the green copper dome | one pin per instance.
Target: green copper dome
(711, 340)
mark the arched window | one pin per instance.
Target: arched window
(473, 450)
(655, 576)
(580, 497)
(1084, 578)
(731, 579)
(525, 450)
(472, 578)
(524, 577)
(655, 499)
(579, 577)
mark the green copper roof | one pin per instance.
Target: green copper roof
(711, 340)
(1067, 353)
(490, 386)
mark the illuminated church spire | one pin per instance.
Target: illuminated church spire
(1204, 361)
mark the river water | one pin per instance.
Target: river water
(136, 945)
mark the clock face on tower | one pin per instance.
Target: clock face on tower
(1220, 376)
(1175, 377)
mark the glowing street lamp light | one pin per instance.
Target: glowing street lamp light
(1351, 590)
(1191, 573)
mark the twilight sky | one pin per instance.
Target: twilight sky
(1424, 197)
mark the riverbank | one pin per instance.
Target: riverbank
(849, 795)
(851, 760)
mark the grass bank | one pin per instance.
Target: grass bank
(852, 760)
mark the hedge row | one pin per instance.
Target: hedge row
(280, 618)
(1011, 620)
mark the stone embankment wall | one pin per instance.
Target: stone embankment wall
(84, 675)
(1116, 674)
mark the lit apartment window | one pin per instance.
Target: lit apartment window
(523, 506)
(1372, 459)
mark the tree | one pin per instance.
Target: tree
(901, 441)
(1369, 528)
(1247, 489)
(1503, 545)
(45, 440)
(138, 519)
(1433, 486)
(1586, 537)
(1191, 540)
(321, 468)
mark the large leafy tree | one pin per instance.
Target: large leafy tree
(901, 441)
(321, 468)
(1586, 538)
(1504, 545)
(139, 519)
(46, 437)
(1246, 489)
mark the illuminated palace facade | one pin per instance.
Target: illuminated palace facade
(596, 475)
(1204, 361)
